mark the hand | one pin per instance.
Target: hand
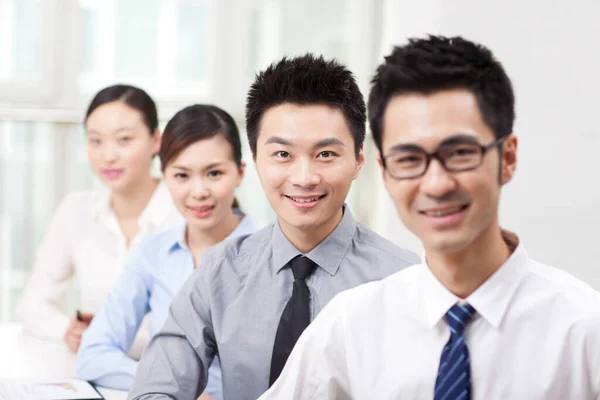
(75, 330)
(205, 396)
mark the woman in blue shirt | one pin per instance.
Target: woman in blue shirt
(201, 160)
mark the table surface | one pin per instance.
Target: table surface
(23, 356)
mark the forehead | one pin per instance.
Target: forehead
(303, 124)
(204, 152)
(427, 120)
(113, 115)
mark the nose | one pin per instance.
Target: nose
(304, 174)
(437, 182)
(110, 153)
(199, 189)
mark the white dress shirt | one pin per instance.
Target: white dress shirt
(84, 241)
(535, 335)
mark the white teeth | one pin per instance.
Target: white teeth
(304, 200)
(443, 212)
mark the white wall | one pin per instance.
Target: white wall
(551, 52)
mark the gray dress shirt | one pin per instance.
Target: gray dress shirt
(232, 304)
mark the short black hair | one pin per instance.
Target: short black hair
(438, 63)
(134, 97)
(306, 80)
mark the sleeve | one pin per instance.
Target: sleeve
(317, 366)
(593, 351)
(175, 363)
(40, 307)
(102, 357)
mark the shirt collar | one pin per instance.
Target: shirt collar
(328, 254)
(491, 299)
(101, 205)
(177, 237)
(153, 216)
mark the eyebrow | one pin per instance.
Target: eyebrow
(209, 166)
(180, 167)
(278, 140)
(321, 143)
(328, 142)
(119, 129)
(456, 139)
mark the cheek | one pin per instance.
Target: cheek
(483, 183)
(402, 194)
(340, 175)
(488, 192)
(177, 190)
(94, 156)
(271, 176)
(224, 189)
(136, 155)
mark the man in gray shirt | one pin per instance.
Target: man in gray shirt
(252, 296)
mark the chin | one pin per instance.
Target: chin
(302, 223)
(206, 224)
(118, 184)
(445, 244)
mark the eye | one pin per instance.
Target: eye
(180, 176)
(463, 151)
(327, 154)
(124, 139)
(407, 159)
(215, 174)
(94, 141)
(282, 154)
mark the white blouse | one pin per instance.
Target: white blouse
(84, 240)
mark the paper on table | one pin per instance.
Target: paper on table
(62, 389)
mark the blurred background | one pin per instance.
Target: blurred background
(55, 54)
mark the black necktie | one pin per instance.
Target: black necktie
(295, 317)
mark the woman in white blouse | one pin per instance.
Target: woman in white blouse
(92, 232)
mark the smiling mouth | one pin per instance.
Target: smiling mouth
(444, 212)
(306, 199)
(201, 209)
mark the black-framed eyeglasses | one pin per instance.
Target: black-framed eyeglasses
(456, 155)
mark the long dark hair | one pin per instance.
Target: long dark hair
(195, 123)
(134, 97)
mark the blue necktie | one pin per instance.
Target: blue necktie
(454, 376)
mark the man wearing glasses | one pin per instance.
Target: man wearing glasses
(478, 319)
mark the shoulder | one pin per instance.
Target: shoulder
(241, 246)
(80, 205)
(245, 227)
(572, 305)
(564, 291)
(153, 250)
(232, 259)
(159, 241)
(386, 250)
(395, 292)
(83, 198)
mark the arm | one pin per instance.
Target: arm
(102, 357)
(40, 307)
(317, 367)
(175, 364)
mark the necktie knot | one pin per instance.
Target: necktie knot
(302, 267)
(458, 317)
